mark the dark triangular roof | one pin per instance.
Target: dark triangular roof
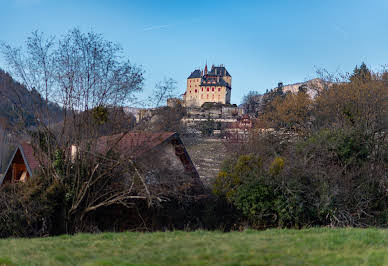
(29, 159)
(195, 74)
(219, 71)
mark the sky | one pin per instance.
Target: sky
(260, 43)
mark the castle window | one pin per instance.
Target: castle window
(213, 89)
(207, 96)
(202, 89)
(190, 91)
(219, 89)
(208, 89)
(190, 86)
(196, 91)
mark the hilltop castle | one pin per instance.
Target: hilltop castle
(203, 86)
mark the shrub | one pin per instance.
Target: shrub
(277, 166)
(256, 201)
(207, 127)
(236, 172)
(31, 209)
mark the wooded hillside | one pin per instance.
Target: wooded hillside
(12, 94)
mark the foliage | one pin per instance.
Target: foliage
(291, 111)
(235, 173)
(361, 73)
(207, 127)
(165, 119)
(252, 102)
(256, 199)
(31, 209)
(327, 166)
(277, 166)
(88, 77)
(100, 115)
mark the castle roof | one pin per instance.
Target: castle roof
(213, 81)
(219, 71)
(195, 74)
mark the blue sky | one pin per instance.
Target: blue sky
(260, 42)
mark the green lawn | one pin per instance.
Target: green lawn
(279, 247)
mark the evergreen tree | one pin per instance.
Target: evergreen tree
(361, 73)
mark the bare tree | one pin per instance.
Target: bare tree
(5, 145)
(87, 77)
(163, 90)
(252, 102)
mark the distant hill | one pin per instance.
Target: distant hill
(12, 92)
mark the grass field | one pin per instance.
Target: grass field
(279, 247)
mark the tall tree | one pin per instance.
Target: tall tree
(252, 102)
(86, 75)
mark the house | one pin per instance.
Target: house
(162, 152)
(239, 131)
(157, 152)
(22, 165)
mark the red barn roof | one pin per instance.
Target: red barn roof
(133, 143)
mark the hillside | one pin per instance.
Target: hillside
(207, 154)
(13, 93)
(271, 247)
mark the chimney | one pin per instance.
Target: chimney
(74, 153)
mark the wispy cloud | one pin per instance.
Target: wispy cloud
(164, 26)
(158, 27)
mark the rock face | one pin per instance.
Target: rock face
(312, 86)
(207, 155)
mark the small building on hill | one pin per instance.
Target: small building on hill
(22, 165)
(239, 131)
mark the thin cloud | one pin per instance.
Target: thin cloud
(156, 27)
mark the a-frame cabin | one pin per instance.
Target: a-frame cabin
(22, 165)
